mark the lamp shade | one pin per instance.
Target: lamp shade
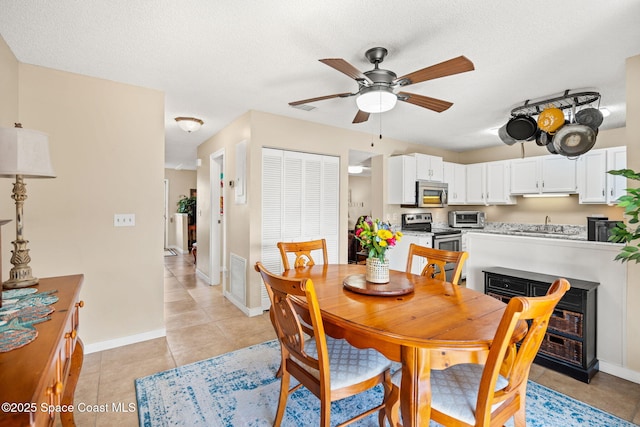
(376, 100)
(24, 152)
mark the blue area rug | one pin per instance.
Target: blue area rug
(240, 389)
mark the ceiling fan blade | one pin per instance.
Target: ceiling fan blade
(361, 116)
(320, 98)
(345, 68)
(434, 104)
(447, 68)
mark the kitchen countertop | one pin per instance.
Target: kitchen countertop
(551, 231)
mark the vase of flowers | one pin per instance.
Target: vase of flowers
(376, 237)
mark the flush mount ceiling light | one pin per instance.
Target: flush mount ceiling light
(355, 169)
(376, 99)
(189, 124)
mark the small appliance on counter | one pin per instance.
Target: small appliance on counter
(591, 226)
(466, 219)
(603, 229)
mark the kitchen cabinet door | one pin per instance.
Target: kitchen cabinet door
(429, 168)
(400, 252)
(497, 184)
(616, 185)
(524, 176)
(592, 177)
(489, 183)
(594, 183)
(401, 180)
(543, 174)
(558, 174)
(456, 176)
(475, 184)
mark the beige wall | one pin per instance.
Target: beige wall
(107, 148)
(180, 184)
(633, 162)
(8, 87)
(360, 198)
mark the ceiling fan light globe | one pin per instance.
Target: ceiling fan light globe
(376, 100)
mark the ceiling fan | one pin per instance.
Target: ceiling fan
(378, 89)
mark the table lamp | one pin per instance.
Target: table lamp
(24, 153)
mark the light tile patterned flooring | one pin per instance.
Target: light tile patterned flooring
(201, 323)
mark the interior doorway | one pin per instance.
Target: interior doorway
(217, 238)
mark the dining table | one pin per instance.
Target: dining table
(421, 322)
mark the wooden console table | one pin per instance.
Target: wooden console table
(39, 380)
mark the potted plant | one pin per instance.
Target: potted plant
(376, 237)
(628, 233)
(187, 205)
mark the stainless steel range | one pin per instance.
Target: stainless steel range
(441, 238)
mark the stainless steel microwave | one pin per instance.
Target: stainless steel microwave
(430, 194)
(466, 219)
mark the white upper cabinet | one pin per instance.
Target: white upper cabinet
(616, 185)
(429, 168)
(594, 183)
(455, 175)
(401, 180)
(544, 174)
(488, 183)
(498, 183)
(475, 184)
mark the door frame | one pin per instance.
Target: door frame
(217, 229)
(166, 213)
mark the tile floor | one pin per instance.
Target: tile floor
(201, 323)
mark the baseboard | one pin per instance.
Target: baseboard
(620, 372)
(119, 342)
(251, 312)
(203, 276)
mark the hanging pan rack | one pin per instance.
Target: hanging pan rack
(562, 102)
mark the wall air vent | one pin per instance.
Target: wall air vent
(304, 107)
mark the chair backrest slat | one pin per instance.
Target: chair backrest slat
(436, 261)
(302, 252)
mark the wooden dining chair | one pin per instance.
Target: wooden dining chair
(489, 394)
(331, 369)
(302, 252)
(436, 260)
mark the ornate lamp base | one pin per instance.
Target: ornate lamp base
(20, 275)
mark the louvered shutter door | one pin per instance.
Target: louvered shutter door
(300, 201)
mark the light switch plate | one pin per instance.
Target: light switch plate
(124, 220)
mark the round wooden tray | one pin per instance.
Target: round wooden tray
(358, 284)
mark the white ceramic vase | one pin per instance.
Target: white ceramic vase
(377, 271)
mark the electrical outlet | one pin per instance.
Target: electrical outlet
(124, 220)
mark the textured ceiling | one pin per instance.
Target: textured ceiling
(215, 60)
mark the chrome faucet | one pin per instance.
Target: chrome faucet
(547, 220)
